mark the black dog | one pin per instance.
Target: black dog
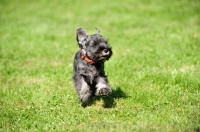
(89, 76)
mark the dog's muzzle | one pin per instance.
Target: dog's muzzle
(106, 52)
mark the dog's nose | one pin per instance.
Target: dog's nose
(106, 51)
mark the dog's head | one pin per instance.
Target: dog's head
(94, 47)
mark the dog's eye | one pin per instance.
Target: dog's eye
(94, 44)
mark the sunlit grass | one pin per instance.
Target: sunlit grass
(154, 71)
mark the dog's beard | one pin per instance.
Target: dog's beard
(100, 57)
(104, 58)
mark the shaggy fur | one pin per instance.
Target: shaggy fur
(89, 78)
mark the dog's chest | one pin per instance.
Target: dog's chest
(93, 70)
(89, 70)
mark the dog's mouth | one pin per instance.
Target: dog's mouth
(104, 57)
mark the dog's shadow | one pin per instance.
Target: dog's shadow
(108, 101)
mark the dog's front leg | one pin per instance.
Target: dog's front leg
(102, 87)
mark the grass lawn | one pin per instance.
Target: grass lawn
(154, 71)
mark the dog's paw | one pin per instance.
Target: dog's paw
(103, 92)
(85, 98)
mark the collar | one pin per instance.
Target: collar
(87, 59)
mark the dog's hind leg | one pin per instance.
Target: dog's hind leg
(83, 89)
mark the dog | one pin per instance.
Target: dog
(89, 75)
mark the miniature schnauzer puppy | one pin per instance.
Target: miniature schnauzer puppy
(89, 76)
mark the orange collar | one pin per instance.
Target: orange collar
(87, 59)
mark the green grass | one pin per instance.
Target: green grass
(154, 72)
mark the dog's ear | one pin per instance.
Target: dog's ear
(81, 37)
(98, 31)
